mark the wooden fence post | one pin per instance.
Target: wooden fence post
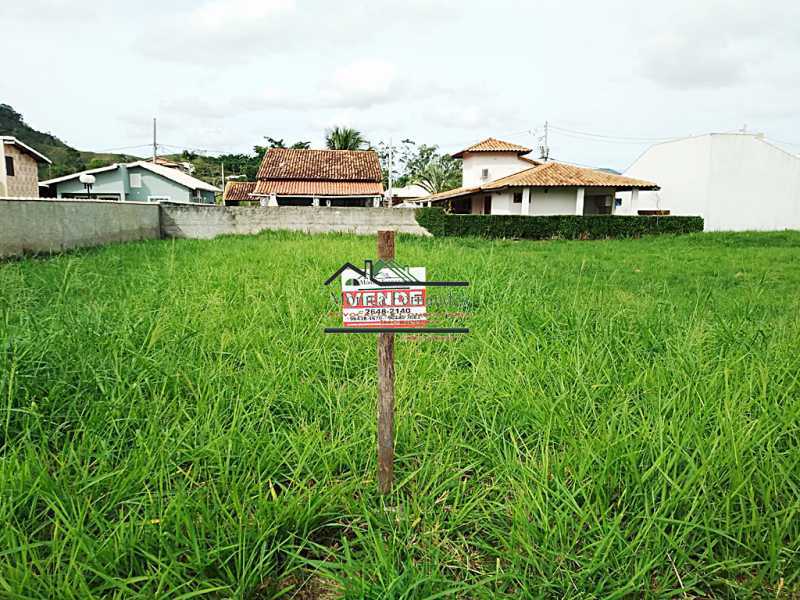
(385, 386)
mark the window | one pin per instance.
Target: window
(484, 173)
(157, 198)
(10, 166)
(136, 180)
(517, 197)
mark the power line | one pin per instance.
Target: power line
(124, 148)
(603, 140)
(612, 137)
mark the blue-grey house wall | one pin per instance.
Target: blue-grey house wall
(117, 182)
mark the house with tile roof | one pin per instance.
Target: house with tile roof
(499, 179)
(237, 192)
(140, 181)
(291, 177)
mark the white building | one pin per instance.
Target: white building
(405, 194)
(734, 181)
(498, 179)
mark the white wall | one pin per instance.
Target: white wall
(503, 204)
(500, 164)
(556, 201)
(735, 182)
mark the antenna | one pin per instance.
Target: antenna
(155, 146)
(544, 148)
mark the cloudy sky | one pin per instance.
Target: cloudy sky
(221, 74)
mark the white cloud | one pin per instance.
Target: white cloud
(363, 82)
(716, 44)
(231, 16)
(683, 62)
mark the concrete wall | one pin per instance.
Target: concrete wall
(205, 222)
(736, 182)
(50, 225)
(34, 225)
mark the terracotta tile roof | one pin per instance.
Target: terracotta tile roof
(493, 145)
(550, 174)
(454, 193)
(288, 187)
(320, 165)
(237, 191)
(554, 174)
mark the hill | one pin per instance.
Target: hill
(66, 159)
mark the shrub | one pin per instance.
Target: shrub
(571, 227)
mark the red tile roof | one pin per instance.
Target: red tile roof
(236, 191)
(554, 174)
(288, 187)
(493, 145)
(320, 165)
(551, 174)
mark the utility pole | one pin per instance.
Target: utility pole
(223, 174)
(389, 195)
(544, 148)
(155, 146)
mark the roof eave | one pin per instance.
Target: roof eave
(37, 156)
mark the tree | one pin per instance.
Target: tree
(420, 163)
(274, 143)
(345, 138)
(441, 175)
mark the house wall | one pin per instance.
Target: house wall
(554, 201)
(500, 164)
(25, 181)
(155, 185)
(107, 182)
(736, 182)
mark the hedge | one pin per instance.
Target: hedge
(570, 227)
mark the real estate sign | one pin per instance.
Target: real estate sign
(388, 300)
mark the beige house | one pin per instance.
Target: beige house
(19, 168)
(499, 179)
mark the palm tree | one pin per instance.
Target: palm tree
(438, 177)
(345, 138)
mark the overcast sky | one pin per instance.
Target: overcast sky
(221, 74)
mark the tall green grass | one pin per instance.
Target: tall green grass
(623, 421)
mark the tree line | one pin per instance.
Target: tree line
(412, 163)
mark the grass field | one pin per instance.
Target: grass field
(623, 421)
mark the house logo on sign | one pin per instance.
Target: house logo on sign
(385, 295)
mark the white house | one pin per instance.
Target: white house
(405, 194)
(735, 181)
(498, 179)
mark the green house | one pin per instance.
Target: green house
(139, 181)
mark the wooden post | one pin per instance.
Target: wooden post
(385, 386)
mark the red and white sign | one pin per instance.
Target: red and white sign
(366, 304)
